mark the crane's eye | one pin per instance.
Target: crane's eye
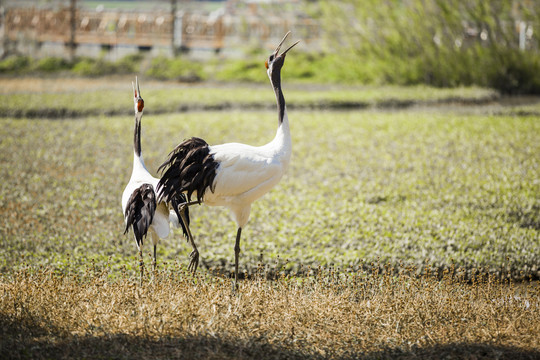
(266, 63)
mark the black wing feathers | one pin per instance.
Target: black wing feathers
(190, 168)
(140, 211)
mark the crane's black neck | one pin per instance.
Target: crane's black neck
(137, 137)
(276, 84)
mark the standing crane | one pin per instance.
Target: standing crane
(232, 175)
(143, 212)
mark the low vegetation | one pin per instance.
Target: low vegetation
(75, 97)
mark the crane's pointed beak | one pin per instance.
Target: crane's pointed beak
(281, 43)
(289, 48)
(139, 102)
(276, 52)
(138, 88)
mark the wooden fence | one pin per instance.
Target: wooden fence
(147, 29)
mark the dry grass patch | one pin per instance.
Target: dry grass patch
(324, 314)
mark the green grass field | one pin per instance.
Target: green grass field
(363, 186)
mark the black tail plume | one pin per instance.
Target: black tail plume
(190, 168)
(140, 211)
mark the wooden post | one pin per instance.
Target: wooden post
(73, 28)
(5, 41)
(173, 15)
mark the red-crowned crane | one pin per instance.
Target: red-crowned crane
(232, 175)
(143, 212)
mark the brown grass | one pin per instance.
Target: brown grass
(324, 314)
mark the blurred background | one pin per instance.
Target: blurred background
(405, 42)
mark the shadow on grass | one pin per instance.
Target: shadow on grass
(26, 341)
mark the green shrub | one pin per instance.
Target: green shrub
(179, 69)
(15, 64)
(242, 70)
(98, 67)
(89, 67)
(515, 72)
(435, 42)
(303, 65)
(51, 64)
(300, 66)
(130, 63)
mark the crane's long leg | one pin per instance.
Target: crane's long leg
(236, 254)
(180, 210)
(155, 261)
(155, 257)
(194, 256)
(141, 263)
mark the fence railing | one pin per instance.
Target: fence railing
(148, 29)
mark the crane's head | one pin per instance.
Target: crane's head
(137, 99)
(276, 60)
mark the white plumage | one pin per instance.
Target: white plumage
(162, 216)
(143, 213)
(232, 175)
(246, 173)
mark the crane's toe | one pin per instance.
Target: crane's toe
(194, 261)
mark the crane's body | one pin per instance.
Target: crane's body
(232, 175)
(143, 212)
(246, 173)
(159, 220)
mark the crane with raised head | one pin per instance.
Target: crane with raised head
(143, 212)
(232, 175)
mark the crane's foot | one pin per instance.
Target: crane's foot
(194, 261)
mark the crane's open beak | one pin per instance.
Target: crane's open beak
(137, 95)
(138, 88)
(281, 43)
